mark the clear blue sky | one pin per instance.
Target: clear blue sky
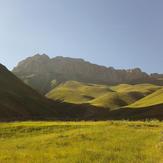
(118, 33)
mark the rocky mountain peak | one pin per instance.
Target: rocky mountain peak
(41, 56)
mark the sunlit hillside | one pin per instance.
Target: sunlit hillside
(111, 97)
(150, 100)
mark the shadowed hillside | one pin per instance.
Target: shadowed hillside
(44, 73)
(143, 113)
(20, 102)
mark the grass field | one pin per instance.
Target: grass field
(81, 142)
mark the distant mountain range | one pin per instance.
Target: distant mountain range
(43, 73)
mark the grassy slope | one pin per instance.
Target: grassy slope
(114, 100)
(145, 89)
(64, 142)
(101, 95)
(150, 100)
(77, 92)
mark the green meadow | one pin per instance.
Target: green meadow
(81, 142)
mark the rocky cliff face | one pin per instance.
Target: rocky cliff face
(40, 70)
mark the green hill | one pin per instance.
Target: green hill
(155, 98)
(77, 92)
(115, 100)
(112, 97)
(20, 102)
(145, 89)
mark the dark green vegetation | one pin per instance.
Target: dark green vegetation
(43, 73)
(72, 142)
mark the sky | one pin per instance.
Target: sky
(117, 33)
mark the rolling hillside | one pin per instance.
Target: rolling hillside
(77, 92)
(155, 98)
(149, 107)
(111, 97)
(20, 102)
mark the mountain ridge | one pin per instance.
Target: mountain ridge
(43, 69)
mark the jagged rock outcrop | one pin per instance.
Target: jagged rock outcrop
(40, 70)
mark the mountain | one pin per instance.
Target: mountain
(43, 73)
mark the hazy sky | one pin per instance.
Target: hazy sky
(118, 33)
